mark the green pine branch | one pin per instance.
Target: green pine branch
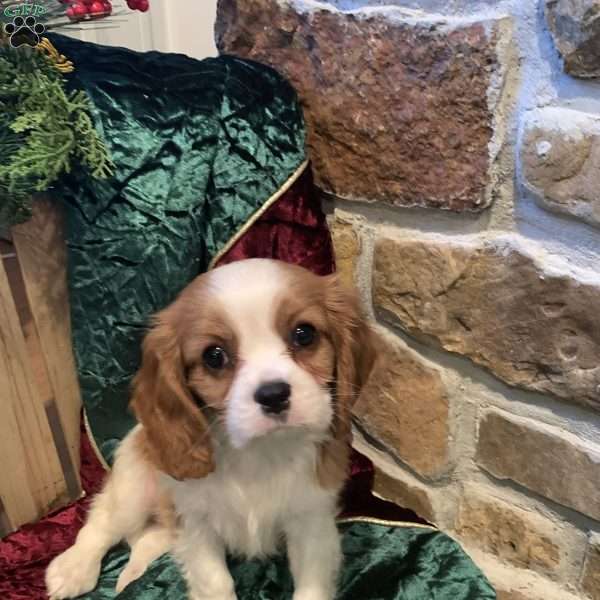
(45, 131)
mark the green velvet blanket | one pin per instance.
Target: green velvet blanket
(382, 562)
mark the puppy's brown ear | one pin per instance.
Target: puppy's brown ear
(176, 435)
(355, 346)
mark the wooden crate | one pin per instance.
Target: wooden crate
(39, 393)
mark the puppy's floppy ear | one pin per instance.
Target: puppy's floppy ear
(175, 434)
(355, 346)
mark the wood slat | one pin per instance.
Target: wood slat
(19, 506)
(32, 481)
(41, 252)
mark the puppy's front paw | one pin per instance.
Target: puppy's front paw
(217, 596)
(311, 594)
(214, 590)
(71, 574)
(215, 584)
(130, 573)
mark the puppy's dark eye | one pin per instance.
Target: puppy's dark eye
(303, 335)
(214, 357)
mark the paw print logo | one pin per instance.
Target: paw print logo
(24, 31)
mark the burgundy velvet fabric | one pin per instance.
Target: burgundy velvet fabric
(293, 229)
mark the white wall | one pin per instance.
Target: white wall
(183, 26)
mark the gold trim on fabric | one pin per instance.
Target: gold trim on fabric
(253, 218)
(95, 448)
(60, 61)
(376, 521)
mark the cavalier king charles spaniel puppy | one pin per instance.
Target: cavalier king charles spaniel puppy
(243, 402)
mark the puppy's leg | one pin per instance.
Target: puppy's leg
(315, 556)
(145, 548)
(120, 510)
(202, 557)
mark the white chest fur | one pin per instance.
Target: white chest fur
(253, 492)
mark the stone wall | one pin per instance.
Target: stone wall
(457, 144)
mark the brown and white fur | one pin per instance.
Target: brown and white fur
(241, 477)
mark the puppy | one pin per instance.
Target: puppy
(243, 401)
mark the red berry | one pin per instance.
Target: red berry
(97, 9)
(141, 5)
(79, 10)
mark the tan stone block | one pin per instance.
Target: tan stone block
(490, 300)
(405, 494)
(405, 407)
(560, 157)
(396, 110)
(512, 583)
(523, 538)
(547, 461)
(347, 248)
(591, 572)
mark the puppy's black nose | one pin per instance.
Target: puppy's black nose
(273, 396)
